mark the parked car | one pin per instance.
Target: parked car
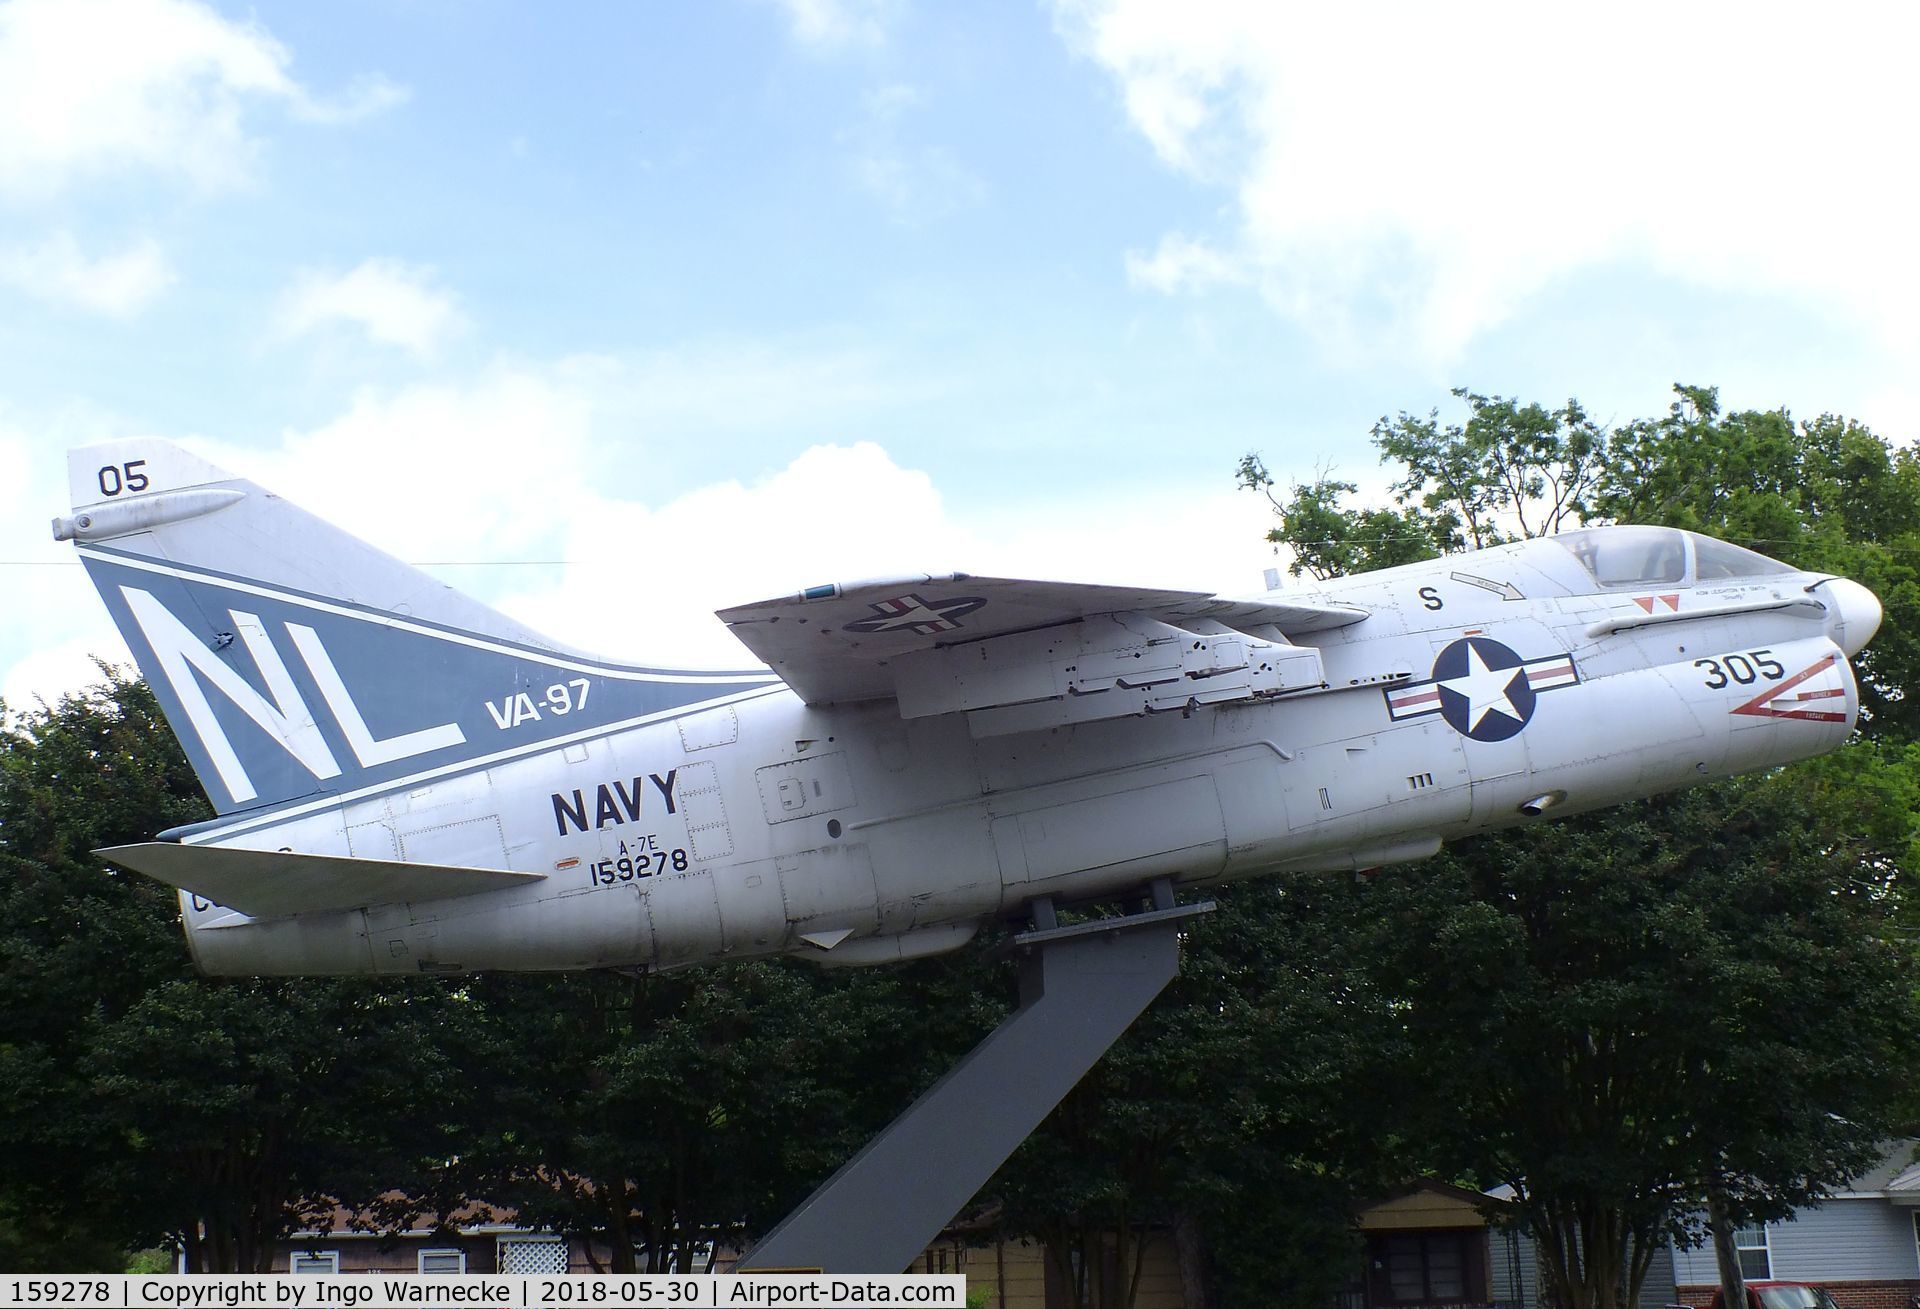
(1783, 1295)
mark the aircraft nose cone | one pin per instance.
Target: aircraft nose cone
(1853, 613)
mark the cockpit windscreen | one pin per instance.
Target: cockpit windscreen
(1658, 556)
(1713, 560)
(1630, 556)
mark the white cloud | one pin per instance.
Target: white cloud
(394, 303)
(1182, 263)
(365, 96)
(116, 285)
(59, 624)
(509, 470)
(917, 183)
(720, 389)
(433, 472)
(644, 580)
(832, 24)
(1892, 412)
(1412, 175)
(97, 86)
(50, 672)
(437, 472)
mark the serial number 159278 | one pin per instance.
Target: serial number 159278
(641, 863)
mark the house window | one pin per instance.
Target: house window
(532, 1254)
(314, 1261)
(443, 1261)
(1426, 1268)
(1750, 1247)
(1916, 1236)
(943, 1259)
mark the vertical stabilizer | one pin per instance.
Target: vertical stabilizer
(295, 661)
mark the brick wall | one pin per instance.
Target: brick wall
(1848, 1295)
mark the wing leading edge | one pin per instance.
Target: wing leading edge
(999, 647)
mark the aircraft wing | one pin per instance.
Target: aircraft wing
(855, 641)
(275, 884)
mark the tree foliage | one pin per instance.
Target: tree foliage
(1510, 471)
(659, 1116)
(1824, 494)
(1704, 994)
(1618, 1010)
(1326, 539)
(1251, 1099)
(241, 1112)
(140, 1103)
(80, 944)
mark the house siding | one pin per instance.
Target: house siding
(1532, 1293)
(1842, 1240)
(1658, 1290)
(1516, 1274)
(1849, 1240)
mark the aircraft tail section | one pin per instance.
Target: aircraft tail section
(295, 661)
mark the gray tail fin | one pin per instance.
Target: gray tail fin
(295, 661)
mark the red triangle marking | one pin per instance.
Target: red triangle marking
(1761, 705)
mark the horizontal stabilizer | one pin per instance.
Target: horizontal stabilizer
(274, 884)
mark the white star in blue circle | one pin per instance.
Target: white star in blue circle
(1484, 691)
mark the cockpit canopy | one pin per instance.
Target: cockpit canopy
(1662, 556)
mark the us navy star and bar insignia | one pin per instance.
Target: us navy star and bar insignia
(1484, 690)
(910, 613)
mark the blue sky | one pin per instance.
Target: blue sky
(713, 300)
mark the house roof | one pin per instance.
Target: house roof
(1428, 1203)
(469, 1219)
(1896, 1177)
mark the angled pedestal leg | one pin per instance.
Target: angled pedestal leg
(1080, 988)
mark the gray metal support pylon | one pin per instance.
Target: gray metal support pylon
(1080, 988)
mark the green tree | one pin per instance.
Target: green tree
(138, 1102)
(1326, 539)
(1700, 995)
(622, 1110)
(1248, 1100)
(241, 1112)
(80, 944)
(1510, 471)
(659, 1115)
(1824, 494)
(1618, 1012)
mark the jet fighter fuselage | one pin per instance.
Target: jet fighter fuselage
(410, 782)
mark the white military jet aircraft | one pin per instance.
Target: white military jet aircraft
(408, 781)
